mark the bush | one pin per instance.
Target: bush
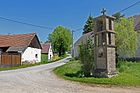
(44, 58)
(124, 66)
(87, 57)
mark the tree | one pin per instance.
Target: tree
(126, 37)
(86, 57)
(118, 16)
(61, 39)
(89, 25)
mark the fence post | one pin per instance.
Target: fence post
(11, 60)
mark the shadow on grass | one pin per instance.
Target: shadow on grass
(71, 75)
(78, 74)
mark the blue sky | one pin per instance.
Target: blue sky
(51, 13)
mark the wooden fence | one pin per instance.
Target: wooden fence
(10, 60)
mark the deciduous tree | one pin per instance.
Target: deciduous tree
(126, 37)
(118, 16)
(61, 39)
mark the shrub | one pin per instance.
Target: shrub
(55, 57)
(44, 58)
(87, 57)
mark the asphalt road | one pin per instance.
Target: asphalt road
(40, 79)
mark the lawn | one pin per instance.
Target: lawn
(129, 74)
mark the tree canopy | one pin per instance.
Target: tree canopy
(126, 37)
(118, 16)
(88, 27)
(61, 39)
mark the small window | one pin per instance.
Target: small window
(110, 24)
(103, 38)
(97, 40)
(99, 25)
(109, 38)
(36, 55)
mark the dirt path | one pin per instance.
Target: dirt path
(40, 79)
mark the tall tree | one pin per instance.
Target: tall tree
(89, 25)
(118, 16)
(61, 39)
(126, 37)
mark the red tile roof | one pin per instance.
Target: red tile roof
(45, 47)
(16, 40)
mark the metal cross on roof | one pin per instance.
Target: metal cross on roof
(103, 11)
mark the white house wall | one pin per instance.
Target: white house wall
(31, 55)
(50, 53)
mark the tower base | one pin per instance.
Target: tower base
(103, 73)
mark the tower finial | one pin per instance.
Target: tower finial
(103, 11)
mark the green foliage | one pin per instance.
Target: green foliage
(44, 58)
(87, 57)
(126, 37)
(89, 25)
(122, 66)
(61, 39)
(62, 71)
(118, 16)
(127, 77)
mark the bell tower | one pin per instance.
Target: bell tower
(104, 40)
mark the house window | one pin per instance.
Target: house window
(36, 55)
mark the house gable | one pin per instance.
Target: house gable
(35, 43)
(17, 42)
(45, 48)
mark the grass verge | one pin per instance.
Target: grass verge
(23, 66)
(30, 65)
(129, 74)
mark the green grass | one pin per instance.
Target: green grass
(44, 57)
(23, 66)
(129, 74)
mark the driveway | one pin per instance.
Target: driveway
(40, 79)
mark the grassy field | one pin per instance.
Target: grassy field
(129, 74)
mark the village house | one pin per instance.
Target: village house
(90, 35)
(47, 50)
(27, 45)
